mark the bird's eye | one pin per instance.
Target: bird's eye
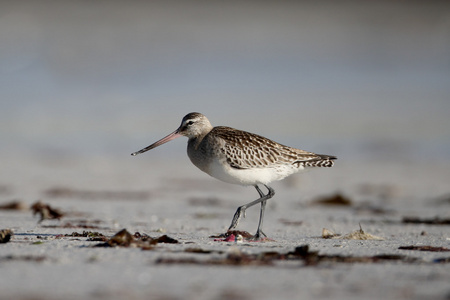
(190, 123)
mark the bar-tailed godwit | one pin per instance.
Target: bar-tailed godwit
(240, 157)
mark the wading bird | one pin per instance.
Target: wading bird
(240, 157)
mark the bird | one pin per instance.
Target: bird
(239, 157)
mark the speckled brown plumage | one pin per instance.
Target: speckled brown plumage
(244, 150)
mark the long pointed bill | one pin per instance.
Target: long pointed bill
(164, 140)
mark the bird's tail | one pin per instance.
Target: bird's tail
(323, 161)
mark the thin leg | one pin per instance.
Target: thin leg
(241, 210)
(259, 231)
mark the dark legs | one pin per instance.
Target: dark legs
(261, 212)
(241, 210)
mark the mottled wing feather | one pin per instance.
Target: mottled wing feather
(244, 150)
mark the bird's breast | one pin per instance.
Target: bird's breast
(199, 154)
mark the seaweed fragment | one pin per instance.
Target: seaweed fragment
(46, 211)
(333, 200)
(125, 239)
(92, 236)
(198, 251)
(424, 248)
(429, 221)
(14, 205)
(165, 239)
(122, 238)
(5, 235)
(235, 236)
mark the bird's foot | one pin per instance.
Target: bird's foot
(240, 212)
(260, 236)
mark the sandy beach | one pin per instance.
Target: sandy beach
(46, 261)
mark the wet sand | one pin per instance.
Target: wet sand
(401, 202)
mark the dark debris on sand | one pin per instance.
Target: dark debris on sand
(92, 236)
(125, 239)
(427, 221)
(425, 248)
(238, 236)
(46, 211)
(269, 258)
(14, 205)
(339, 200)
(333, 200)
(244, 234)
(5, 235)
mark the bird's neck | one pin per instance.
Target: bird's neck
(194, 142)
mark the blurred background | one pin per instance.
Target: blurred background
(83, 84)
(357, 79)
